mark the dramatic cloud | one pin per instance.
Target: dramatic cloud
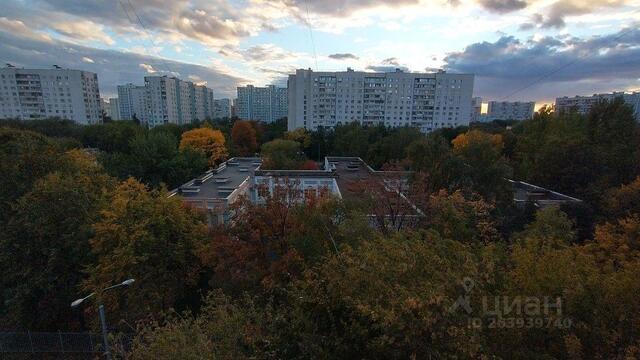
(556, 13)
(391, 61)
(503, 6)
(343, 56)
(258, 53)
(113, 67)
(551, 63)
(343, 7)
(83, 31)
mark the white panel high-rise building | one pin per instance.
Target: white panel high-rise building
(222, 108)
(428, 101)
(204, 103)
(40, 93)
(132, 100)
(114, 109)
(476, 109)
(510, 110)
(583, 104)
(266, 104)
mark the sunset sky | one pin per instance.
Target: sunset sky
(544, 48)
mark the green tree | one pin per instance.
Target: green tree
(281, 154)
(45, 245)
(145, 235)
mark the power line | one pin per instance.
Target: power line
(562, 67)
(164, 62)
(313, 44)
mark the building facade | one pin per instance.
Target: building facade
(40, 93)
(476, 109)
(204, 103)
(428, 101)
(583, 104)
(114, 109)
(222, 109)
(510, 110)
(132, 100)
(166, 100)
(266, 104)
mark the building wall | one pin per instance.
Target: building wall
(262, 103)
(40, 93)
(114, 109)
(132, 100)
(222, 108)
(583, 104)
(428, 101)
(476, 109)
(506, 110)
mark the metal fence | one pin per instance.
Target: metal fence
(60, 342)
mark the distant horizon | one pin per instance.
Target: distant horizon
(531, 50)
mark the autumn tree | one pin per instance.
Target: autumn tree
(25, 156)
(299, 135)
(145, 235)
(281, 154)
(485, 169)
(244, 138)
(207, 141)
(382, 299)
(433, 158)
(45, 245)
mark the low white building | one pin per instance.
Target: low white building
(41, 93)
(428, 101)
(583, 104)
(510, 110)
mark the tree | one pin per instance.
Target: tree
(433, 158)
(300, 135)
(484, 166)
(281, 154)
(45, 246)
(382, 299)
(25, 156)
(144, 234)
(244, 139)
(207, 141)
(623, 201)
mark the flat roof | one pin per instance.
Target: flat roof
(219, 183)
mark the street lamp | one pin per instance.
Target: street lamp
(103, 320)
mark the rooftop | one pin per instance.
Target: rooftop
(219, 183)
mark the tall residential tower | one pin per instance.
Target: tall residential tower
(40, 93)
(428, 101)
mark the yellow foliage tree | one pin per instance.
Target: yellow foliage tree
(463, 141)
(206, 140)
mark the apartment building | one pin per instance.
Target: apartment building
(132, 100)
(510, 110)
(222, 108)
(428, 101)
(266, 104)
(40, 93)
(583, 104)
(476, 109)
(204, 103)
(114, 109)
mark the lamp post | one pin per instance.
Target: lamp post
(103, 321)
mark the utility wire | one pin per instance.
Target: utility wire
(562, 67)
(313, 44)
(164, 62)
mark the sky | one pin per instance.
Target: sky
(519, 50)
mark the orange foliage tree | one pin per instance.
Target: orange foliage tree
(244, 138)
(207, 141)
